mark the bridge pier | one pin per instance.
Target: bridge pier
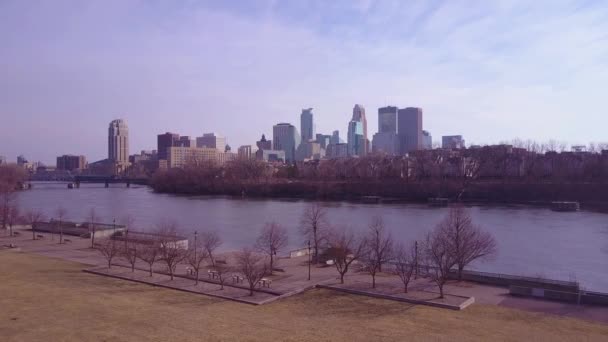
(128, 184)
(107, 184)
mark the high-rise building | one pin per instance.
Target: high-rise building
(359, 115)
(164, 141)
(339, 150)
(386, 143)
(387, 119)
(211, 140)
(245, 152)
(335, 137)
(323, 140)
(286, 137)
(427, 140)
(452, 142)
(118, 144)
(356, 141)
(306, 125)
(21, 160)
(71, 162)
(264, 144)
(410, 129)
(185, 141)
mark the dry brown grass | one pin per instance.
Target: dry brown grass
(44, 299)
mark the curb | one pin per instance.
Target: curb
(462, 306)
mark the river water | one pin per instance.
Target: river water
(532, 241)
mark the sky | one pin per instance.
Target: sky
(489, 70)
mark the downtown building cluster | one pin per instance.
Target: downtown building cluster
(399, 132)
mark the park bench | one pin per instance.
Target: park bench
(67, 240)
(40, 236)
(16, 234)
(212, 274)
(237, 279)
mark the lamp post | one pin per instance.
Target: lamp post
(309, 261)
(195, 248)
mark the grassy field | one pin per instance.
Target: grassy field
(43, 299)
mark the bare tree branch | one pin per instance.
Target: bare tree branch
(272, 239)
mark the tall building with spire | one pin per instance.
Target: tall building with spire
(118, 144)
(359, 115)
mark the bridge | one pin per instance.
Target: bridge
(107, 180)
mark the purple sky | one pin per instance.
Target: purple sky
(489, 70)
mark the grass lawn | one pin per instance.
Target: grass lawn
(43, 299)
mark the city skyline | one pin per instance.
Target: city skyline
(471, 70)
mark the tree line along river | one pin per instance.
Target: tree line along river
(532, 241)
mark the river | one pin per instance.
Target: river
(532, 241)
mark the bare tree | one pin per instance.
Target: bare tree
(8, 197)
(313, 225)
(61, 213)
(221, 271)
(469, 243)
(13, 218)
(197, 256)
(130, 251)
(440, 256)
(31, 217)
(211, 242)
(170, 252)
(405, 264)
(253, 267)
(149, 253)
(379, 248)
(273, 238)
(345, 247)
(109, 249)
(380, 242)
(92, 225)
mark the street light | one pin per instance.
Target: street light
(195, 248)
(309, 261)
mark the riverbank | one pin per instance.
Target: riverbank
(51, 299)
(498, 192)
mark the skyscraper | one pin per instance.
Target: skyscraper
(212, 141)
(410, 129)
(306, 125)
(335, 137)
(163, 142)
(356, 141)
(285, 137)
(427, 140)
(387, 119)
(359, 115)
(118, 143)
(264, 144)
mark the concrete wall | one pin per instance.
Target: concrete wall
(509, 280)
(594, 298)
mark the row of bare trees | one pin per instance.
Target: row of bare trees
(166, 247)
(454, 244)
